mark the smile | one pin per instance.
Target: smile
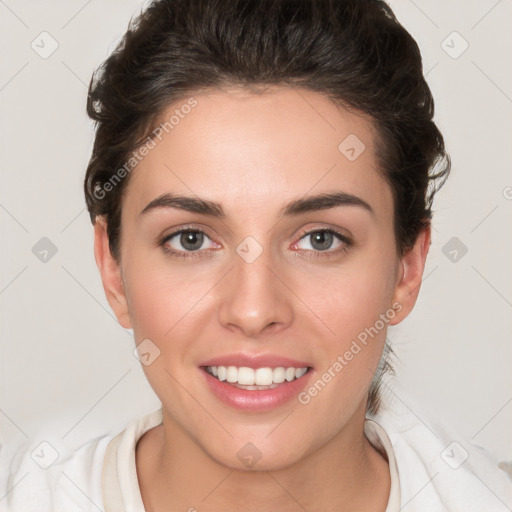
(244, 377)
(256, 390)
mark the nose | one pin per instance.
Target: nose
(254, 299)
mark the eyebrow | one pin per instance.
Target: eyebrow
(298, 206)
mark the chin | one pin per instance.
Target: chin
(257, 453)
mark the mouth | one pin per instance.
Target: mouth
(255, 384)
(256, 379)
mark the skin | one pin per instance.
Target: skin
(253, 154)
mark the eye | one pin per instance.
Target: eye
(324, 240)
(186, 241)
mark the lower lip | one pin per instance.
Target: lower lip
(256, 400)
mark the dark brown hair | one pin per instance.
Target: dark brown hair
(354, 52)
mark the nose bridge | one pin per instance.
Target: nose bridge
(253, 298)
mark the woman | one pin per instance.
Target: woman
(261, 187)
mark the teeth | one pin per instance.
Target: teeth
(246, 376)
(278, 375)
(299, 372)
(252, 378)
(232, 374)
(289, 374)
(263, 376)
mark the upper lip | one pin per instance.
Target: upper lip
(255, 361)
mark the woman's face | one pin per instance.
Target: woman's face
(269, 275)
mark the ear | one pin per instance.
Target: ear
(409, 276)
(110, 271)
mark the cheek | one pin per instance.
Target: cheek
(165, 308)
(351, 298)
(353, 308)
(354, 301)
(160, 296)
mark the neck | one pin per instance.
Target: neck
(347, 473)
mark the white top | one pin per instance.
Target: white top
(430, 470)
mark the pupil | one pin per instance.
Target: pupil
(321, 240)
(191, 240)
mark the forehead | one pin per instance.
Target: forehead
(252, 150)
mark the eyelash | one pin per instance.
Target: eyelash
(347, 244)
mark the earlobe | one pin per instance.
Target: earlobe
(410, 275)
(110, 271)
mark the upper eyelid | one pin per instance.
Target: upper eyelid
(180, 230)
(330, 230)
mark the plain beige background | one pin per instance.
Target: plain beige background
(68, 372)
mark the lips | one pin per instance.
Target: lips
(224, 373)
(255, 361)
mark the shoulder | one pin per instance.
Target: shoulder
(438, 468)
(37, 478)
